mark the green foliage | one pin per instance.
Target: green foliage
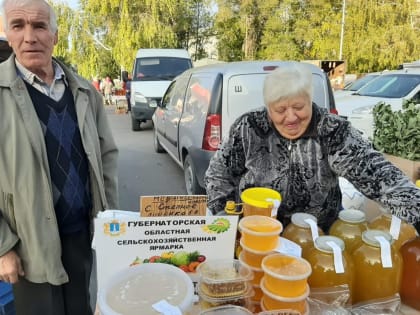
(397, 132)
(102, 37)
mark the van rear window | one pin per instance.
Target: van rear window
(159, 68)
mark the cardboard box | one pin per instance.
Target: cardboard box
(410, 168)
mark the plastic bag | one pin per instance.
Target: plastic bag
(384, 306)
(331, 300)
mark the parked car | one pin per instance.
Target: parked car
(356, 85)
(153, 71)
(201, 104)
(5, 49)
(391, 87)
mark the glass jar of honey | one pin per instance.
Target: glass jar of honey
(349, 227)
(410, 283)
(377, 267)
(331, 264)
(302, 230)
(400, 230)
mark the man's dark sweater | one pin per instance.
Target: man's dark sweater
(67, 160)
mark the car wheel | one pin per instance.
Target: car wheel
(156, 143)
(190, 177)
(135, 124)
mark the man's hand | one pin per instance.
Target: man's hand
(10, 267)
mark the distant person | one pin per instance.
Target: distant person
(58, 168)
(97, 84)
(128, 92)
(107, 89)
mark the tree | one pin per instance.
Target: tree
(104, 35)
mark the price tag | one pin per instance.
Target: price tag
(338, 257)
(314, 228)
(385, 251)
(289, 247)
(395, 227)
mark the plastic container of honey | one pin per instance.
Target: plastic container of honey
(331, 264)
(257, 272)
(256, 306)
(206, 302)
(252, 257)
(222, 278)
(410, 283)
(271, 301)
(260, 233)
(157, 282)
(349, 227)
(260, 201)
(227, 310)
(285, 275)
(377, 267)
(300, 231)
(280, 312)
(400, 230)
(258, 293)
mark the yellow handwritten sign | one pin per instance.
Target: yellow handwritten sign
(173, 205)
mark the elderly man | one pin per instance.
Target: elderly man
(58, 166)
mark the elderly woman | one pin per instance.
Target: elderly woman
(300, 150)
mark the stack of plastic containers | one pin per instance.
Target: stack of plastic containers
(285, 283)
(259, 238)
(224, 282)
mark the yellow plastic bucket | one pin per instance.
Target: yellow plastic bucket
(260, 201)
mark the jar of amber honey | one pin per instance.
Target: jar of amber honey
(377, 267)
(331, 264)
(400, 230)
(302, 230)
(410, 283)
(349, 227)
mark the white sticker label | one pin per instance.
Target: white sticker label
(165, 308)
(289, 247)
(314, 228)
(385, 252)
(395, 227)
(276, 205)
(338, 257)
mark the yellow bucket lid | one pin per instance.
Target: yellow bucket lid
(260, 197)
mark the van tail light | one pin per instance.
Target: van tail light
(212, 133)
(333, 111)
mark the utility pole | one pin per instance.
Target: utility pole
(343, 18)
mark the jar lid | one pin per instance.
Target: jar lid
(321, 243)
(369, 237)
(299, 218)
(352, 216)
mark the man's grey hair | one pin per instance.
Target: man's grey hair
(22, 3)
(288, 81)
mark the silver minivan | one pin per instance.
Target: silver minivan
(201, 104)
